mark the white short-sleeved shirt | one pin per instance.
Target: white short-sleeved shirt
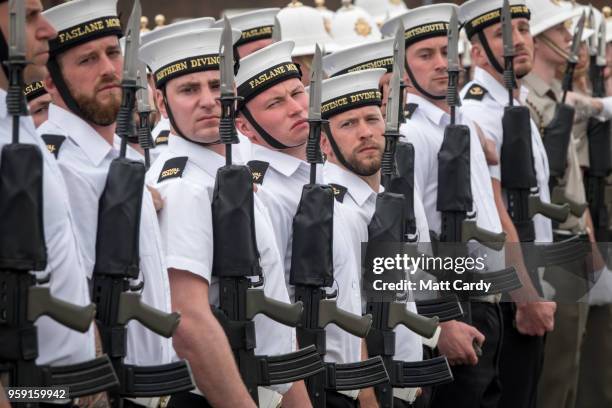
(281, 191)
(425, 131)
(57, 344)
(161, 144)
(84, 159)
(357, 209)
(187, 234)
(487, 114)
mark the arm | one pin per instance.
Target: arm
(367, 396)
(207, 350)
(297, 396)
(532, 318)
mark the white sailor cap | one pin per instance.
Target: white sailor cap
(422, 22)
(353, 26)
(255, 25)
(180, 27)
(547, 14)
(265, 68)
(350, 91)
(476, 15)
(382, 10)
(80, 21)
(305, 27)
(182, 54)
(359, 58)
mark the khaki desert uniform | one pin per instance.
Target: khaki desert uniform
(559, 380)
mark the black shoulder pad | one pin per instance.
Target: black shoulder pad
(475, 92)
(173, 168)
(339, 192)
(258, 170)
(162, 138)
(53, 142)
(410, 109)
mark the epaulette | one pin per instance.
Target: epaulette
(53, 142)
(410, 109)
(475, 92)
(258, 170)
(162, 138)
(173, 168)
(339, 192)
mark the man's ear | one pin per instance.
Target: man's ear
(325, 145)
(159, 100)
(244, 127)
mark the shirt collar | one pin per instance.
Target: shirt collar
(537, 84)
(495, 88)
(282, 162)
(80, 132)
(431, 111)
(356, 187)
(202, 157)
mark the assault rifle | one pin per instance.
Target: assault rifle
(117, 257)
(236, 259)
(312, 271)
(455, 201)
(598, 135)
(23, 250)
(389, 225)
(558, 133)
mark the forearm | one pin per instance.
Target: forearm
(211, 360)
(513, 251)
(200, 339)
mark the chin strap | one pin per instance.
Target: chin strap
(339, 154)
(4, 54)
(58, 79)
(269, 139)
(554, 47)
(419, 87)
(492, 60)
(176, 128)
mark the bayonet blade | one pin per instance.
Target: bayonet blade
(392, 114)
(17, 46)
(132, 43)
(506, 21)
(601, 45)
(400, 38)
(276, 30)
(226, 59)
(593, 38)
(142, 95)
(316, 79)
(573, 57)
(453, 43)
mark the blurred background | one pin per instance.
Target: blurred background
(179, 9)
